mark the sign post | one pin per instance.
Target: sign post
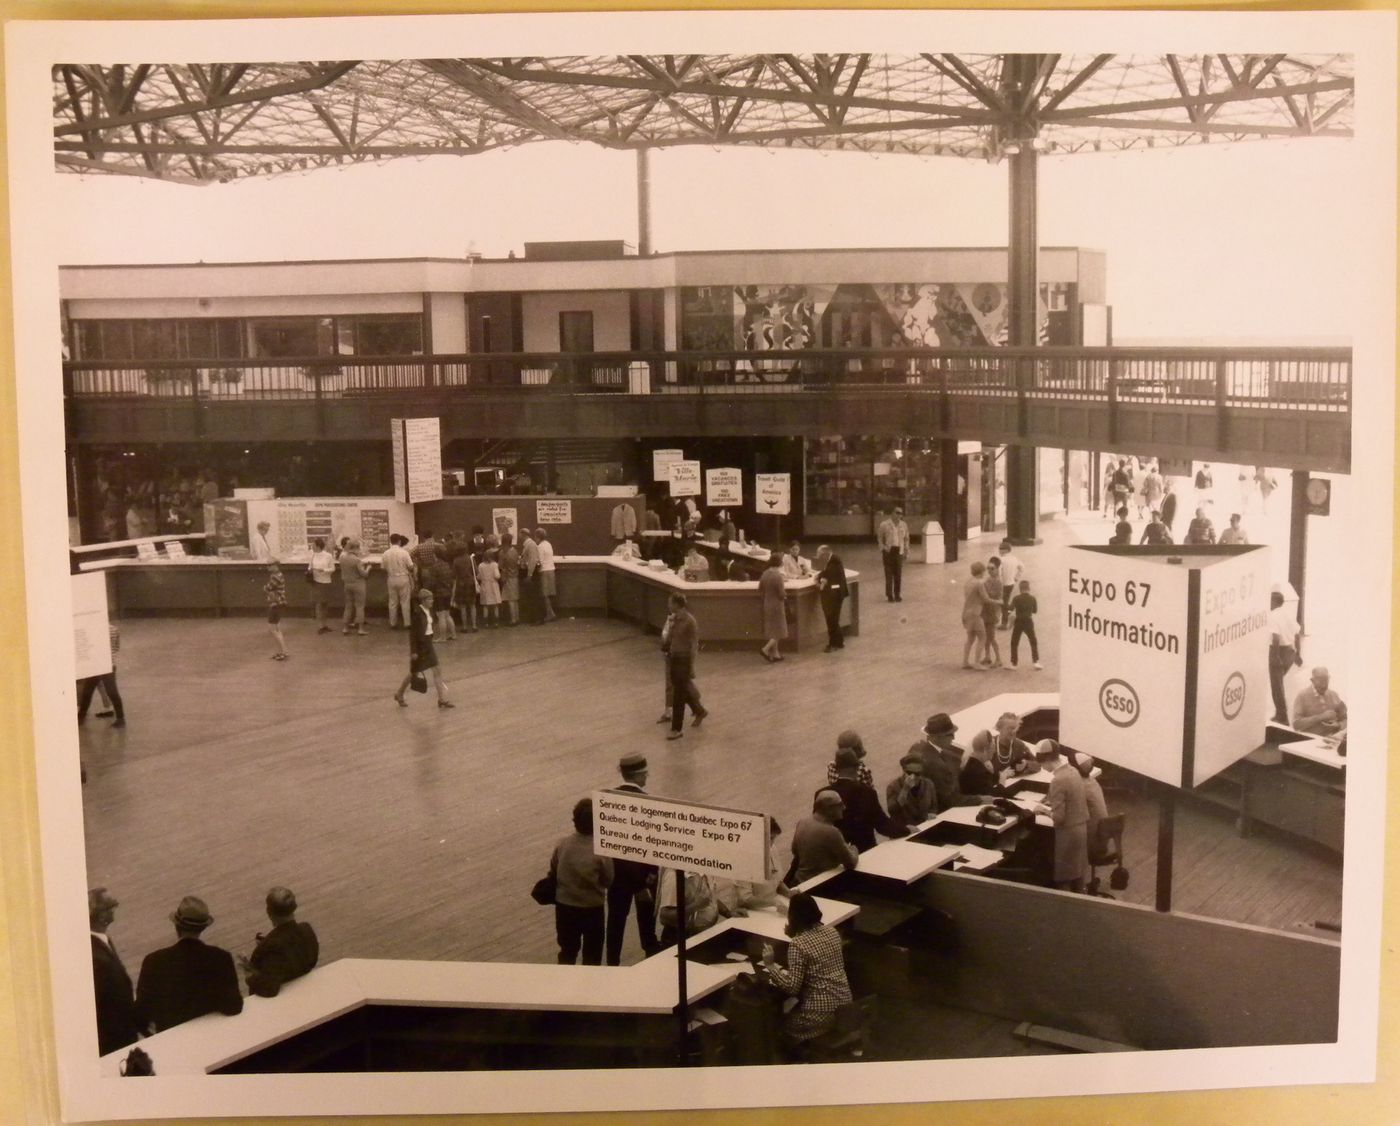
(1170, 647)
(685, 837)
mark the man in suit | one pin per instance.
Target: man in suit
(111, 984)
(632, 882)
(831, 582)
(188, 979)
(682, 644)
(286, 952)
(943, 763)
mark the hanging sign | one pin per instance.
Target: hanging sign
(660, 460)
(772, 493)
(724, 488)
(685, 478)
(714, 841)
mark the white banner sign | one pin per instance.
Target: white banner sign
(1123, 633)
(1232, 674)
(685, 478)
(660, 462)
(618, 491)
(724, 488)
(92, 645)
(554, 512)
(423, 458)
(730, 843)
(772, 493)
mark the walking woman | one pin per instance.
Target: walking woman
(422, 657)
(770, 588)
(975, 600)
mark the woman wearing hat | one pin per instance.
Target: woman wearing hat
(422, 657)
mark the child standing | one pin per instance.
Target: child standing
(276, 590)
(1023, 609)
(488, 585)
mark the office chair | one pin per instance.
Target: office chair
(848, 1037)
(1107, 849)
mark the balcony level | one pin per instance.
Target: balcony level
(1283, 407)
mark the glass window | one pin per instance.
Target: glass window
(278, 337)
(389, 335)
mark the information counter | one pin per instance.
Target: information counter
(728, 613)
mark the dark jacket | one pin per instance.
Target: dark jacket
(631, 876)
(286, 952)
(184, 981)
(863, 816)
(684, 639)
(116, 1005)
(835, 575)
(943, 768)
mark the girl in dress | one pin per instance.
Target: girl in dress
(488, 585)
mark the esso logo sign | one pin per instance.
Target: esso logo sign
(1119, 703)
(1232, 695)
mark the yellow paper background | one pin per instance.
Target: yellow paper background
(28, 1092)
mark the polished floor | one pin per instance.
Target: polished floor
(416, 833)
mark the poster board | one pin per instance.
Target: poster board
(505, 522)
(684, 478)
(724, 488)
(661, 461)
(554, 511)
(417, 451)
(92, 642)
(772, 493)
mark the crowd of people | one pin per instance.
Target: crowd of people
(1129, 483)
(190, 977)
(596, 896)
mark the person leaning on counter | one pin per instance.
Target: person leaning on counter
(1068, 808)
(1317, 709)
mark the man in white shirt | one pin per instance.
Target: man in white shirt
(398, 571)
(547, 587)
(893, 536)
(794, 566)
(322, 569)
(1012, 569)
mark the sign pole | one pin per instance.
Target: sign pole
(683, 1006)
(1166, 834)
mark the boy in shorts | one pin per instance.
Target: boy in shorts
(276, 590)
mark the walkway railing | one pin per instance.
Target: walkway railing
(1307, 379)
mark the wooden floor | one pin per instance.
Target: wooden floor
(416, 833)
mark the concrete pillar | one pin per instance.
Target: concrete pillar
(643, 202)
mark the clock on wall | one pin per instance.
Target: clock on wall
(1318, 493)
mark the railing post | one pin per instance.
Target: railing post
(1222, 412)
(1112, 401)
(1021, 365)
(195, 407)
(945, 402)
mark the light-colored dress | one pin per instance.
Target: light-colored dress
(510, 574)
(771, 587)
(488, 582)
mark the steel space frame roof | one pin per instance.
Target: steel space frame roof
(202, 123)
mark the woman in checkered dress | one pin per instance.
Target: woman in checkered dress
(815, 972)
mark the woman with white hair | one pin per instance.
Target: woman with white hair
(1068, 808)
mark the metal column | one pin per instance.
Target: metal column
(643, 202)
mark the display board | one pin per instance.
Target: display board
(684, 478)
(772, 493)
(629, 825)
(92, 643)
(1169, 651)
(724, 488)
(505, 522)
(297, 521)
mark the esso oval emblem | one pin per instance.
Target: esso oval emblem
(1118, 701)
(1232, 695)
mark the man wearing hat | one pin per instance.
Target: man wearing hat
(912, 798)
(862, 815)
(289, 950)
(111, 984)
(188, 979)
(943, 762)
(632, 881)
(817, 844)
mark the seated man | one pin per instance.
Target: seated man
(188, 979)
(817, 844)
(911, 798)
(287, 951)
(1317, 709)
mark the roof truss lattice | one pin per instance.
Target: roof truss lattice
(205, 122)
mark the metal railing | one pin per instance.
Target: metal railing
(1309, 379)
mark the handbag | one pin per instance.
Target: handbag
(418, 682)
(310, 576)
(1118, 881)
(544, 889)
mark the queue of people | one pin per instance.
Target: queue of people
(191, 978)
